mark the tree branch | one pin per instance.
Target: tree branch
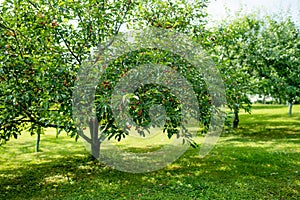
(35, 6)
(117, 29)
(84, 136)
(70, 50)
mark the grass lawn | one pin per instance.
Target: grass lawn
(260, 160)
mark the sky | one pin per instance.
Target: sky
(217, 8)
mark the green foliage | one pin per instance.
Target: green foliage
(279, 53)
(256, 56)
(151, 94)
(46, 42)
(182, 15)
(42, 53)
(232, 45)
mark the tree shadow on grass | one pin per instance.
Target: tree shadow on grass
(268, 106)
(47, 176)
(241, 171)
(264, 126)
(293, 139)
(266, 133)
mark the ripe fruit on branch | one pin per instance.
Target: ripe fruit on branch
(140, 112)
(54, 24)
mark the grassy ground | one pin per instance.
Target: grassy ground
(261, 160)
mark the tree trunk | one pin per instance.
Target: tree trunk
(236, 120)
(38, 139)
(264, 99)
(290, 108)
(95, 145)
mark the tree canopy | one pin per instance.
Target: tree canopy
(45, 43)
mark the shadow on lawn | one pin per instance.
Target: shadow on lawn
(229, 169)
(263, 126)
(268, 133)
(268, 106)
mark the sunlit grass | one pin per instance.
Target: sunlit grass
(261, 160)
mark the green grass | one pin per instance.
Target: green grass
(261, 160)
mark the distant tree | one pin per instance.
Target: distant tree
(232, 45)
(279, 59)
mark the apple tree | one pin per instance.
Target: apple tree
(279, 62)
(45, 43)
(232, 45)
